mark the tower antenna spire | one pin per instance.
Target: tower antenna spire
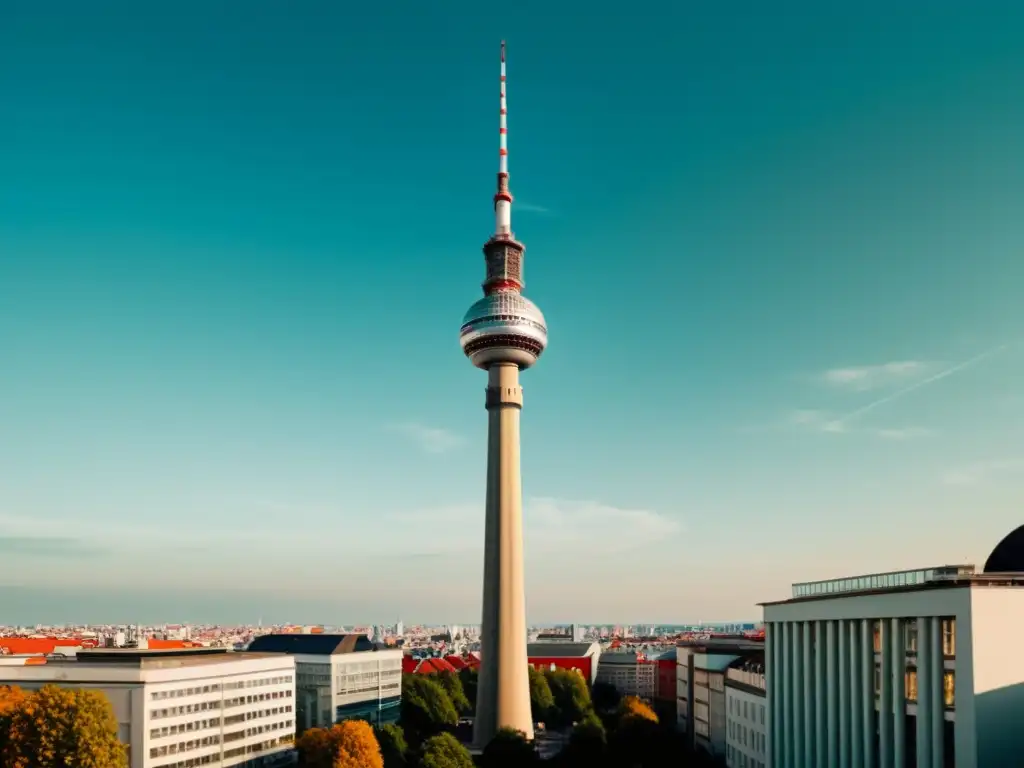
(503, 198)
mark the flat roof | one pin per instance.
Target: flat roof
(156, 659)
(952, 582)
(313, 645)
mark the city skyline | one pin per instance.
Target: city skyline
(780, 252)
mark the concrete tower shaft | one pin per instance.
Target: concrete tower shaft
(502, 333)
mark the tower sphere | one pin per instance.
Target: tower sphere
(505, 327)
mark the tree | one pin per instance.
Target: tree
(60, 727)
(453, 687)
(445, 751)
(426, 708)
(509, 749)
(541, 701)
(605, 697)
(470, 678)
(636, 740)
(11, 698)
(316, 748)
(351, 744)
(355, 745)
(588, 744)
(571, 695)
(393, 747)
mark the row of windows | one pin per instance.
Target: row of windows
(737, 759)
(217, 759)
(175, 693)
(192, 725)
(198, 725)
(749, 712)
(205, 706)
(875, 581)
(910, 685)
(185, 746)
(747, 736)
(255, 749)
(910, 636)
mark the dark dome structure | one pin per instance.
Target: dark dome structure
(1008, 556)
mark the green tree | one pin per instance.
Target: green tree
(452, 685)
(509, 749)
(571, 695)
(542, 702)
(445, 751)
(637, 739)
(470, 678)
(605, 697)
(426, 708)
(62, 727)
(588, 744)
(393, 746)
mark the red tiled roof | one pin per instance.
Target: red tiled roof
(22, 645)
(456, 661)
(166, 645)
(409, 665)
(431, 666)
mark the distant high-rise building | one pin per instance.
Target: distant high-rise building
(503, 333)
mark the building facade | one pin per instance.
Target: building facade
(912, 668)
(340, 677)
(581, 657)
(179, 709)
(630, 673)
(746, 743)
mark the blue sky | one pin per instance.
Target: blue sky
(779, 251)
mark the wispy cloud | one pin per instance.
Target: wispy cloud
(525, 207)
(984, 471)
(434, 440)
(824, 421)
(47, 546)
(866, 377)
(839, 425)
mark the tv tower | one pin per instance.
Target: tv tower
(503, 333)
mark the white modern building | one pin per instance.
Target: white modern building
(184, 708)
(701, 698)
(630, 673)
(340, 677)
(893, 670)
(746, 743)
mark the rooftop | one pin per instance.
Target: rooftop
(556, 649)
(936, 577)
(159, 659)
(314, 645)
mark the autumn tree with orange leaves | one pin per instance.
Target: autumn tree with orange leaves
(57, 727)
(350, 744)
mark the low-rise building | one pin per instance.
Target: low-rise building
(340, 677)
(632, 674)
(746, 731)
(184, 708)
(582, 657)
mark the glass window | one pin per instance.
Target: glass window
(949, 637)
(949, 687)
(878, 635)
(910, 635)
(910, 681)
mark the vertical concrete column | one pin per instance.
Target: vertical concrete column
(787, 693)
(924, 691)
(820, 695)
(886, 750)
(899, 693)
(797, 714)
(938, 713)
(777, 716)
(769, 685)
(856, 662)
(867, 692)
(832, 690)
(842, 669)
(503, 695)
(807, 695)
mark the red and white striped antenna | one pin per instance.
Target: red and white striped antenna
(503, 198)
